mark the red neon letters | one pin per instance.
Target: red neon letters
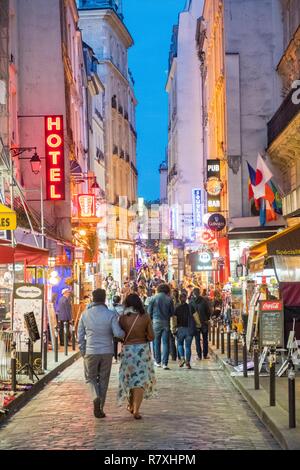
(55, 164)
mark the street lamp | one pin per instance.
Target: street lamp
(36, 164)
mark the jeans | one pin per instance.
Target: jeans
(184, 335)
(162, 334)
(173, 350)
(204, 332)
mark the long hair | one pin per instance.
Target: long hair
(134, 301)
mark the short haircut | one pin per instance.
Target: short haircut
(99, 296)
(164, 288)
(116, 299)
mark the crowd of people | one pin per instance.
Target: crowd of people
(147, 321)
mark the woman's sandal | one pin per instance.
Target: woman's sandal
(137, 416)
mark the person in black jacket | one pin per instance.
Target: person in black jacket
(201, 306)
(185, 331)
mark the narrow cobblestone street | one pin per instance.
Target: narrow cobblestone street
(196, 409)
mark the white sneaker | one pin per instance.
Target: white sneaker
(166, 368)
(157, 365)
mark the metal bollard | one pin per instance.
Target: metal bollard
(66, 338)
(292, 395)
(272, 363)
(214, 333)
(56, 344)
(73, 336)
(256, 363)
(235, 347)
(245, 369)
(228, 343)
(222, 340)
(209, 331)
(13, 366)
(30, 360)
(218, 335)
(45, 350)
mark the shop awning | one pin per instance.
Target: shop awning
(21, 253)
(284, 243)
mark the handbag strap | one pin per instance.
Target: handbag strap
(131, 328)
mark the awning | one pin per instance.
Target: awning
(284, 243)
(21, 253)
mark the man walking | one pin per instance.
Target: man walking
(64, 314)
(161, 309)
(97, 328)
(201, 306)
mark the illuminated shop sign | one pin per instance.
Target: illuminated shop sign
(197, 208)
(213, 169)
(213, 203)
(86, 205)
(55, 165)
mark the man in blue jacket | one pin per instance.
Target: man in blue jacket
(161, 309)
(97, 328)
(64, 314)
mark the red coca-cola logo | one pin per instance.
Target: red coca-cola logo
(271, 306)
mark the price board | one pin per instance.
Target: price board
(271, 323)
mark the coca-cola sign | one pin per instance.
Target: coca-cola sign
(271, 306)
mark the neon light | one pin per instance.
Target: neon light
(55, 174)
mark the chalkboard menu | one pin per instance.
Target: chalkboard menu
(271, 323)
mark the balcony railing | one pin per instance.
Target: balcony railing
(282, 118)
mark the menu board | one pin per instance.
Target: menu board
(271, 323)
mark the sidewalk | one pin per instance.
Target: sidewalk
(53, 369)
(276, 418)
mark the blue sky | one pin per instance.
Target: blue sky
(150, 23)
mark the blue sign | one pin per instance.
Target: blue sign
(197, 208)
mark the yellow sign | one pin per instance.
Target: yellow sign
(8, 218)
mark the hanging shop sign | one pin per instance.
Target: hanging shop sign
(86, 205)
(213, 204)
(214, 186)
(216, 222)
(8, 218)
(213, 169)
(201, 261)
(197, 208)
(271, 323)
(55, 164)
(205, 236)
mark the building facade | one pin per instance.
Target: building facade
(241, 93)
(185, 139)
(283, 128)
(104, 30)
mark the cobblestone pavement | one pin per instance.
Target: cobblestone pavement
(196, 409)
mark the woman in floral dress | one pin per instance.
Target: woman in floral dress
(136, 376)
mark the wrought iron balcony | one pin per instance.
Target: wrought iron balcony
(282, 118)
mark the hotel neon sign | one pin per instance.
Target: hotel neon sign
(55, 164)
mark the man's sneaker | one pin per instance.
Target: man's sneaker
(181, 362)
(157, 364)
(166, 368)
(188, 365)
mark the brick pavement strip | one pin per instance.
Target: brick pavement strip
(195, 410)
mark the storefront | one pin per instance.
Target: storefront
(276, 262)
(19, 264)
